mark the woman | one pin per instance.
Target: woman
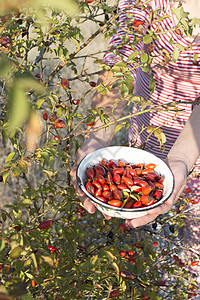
(176, 81)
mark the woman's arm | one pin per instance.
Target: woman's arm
(180, 159)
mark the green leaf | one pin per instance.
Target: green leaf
(124, 90)
(119, 74)
(5, 176)
(102, 90)
(30, 276)
(39, 103)
(2, 244)
(50, 162)
(23, 166)
(176, 54)
(10, 156)
(133, 55)
(90, 119)
(144, 58)
(147, 39)
(48, 260)
(110, 256)
(16, 252)
(94, 259)
(118, 128)
(48, 173)
(45, 155)
(117, 83)
(115, 267)
(16, 171)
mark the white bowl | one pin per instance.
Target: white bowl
(133, 156)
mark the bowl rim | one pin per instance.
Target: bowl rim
(121, 209)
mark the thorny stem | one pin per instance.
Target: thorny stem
(113, 122)
(170, 241)
(61, 64)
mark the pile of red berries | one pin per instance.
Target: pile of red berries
(125, 185)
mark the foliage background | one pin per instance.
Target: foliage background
(77, 255)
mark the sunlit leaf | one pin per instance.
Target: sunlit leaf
(10, 156)
(16, 252)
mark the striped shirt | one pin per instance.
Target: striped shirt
(176, 81)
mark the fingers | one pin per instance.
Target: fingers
(140, 221)
(89, 206)
(85, 201)
(107, 217)
(151, 215)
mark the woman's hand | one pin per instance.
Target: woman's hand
(89, 146)
(179, 170)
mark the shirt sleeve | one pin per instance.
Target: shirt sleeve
(122, 44)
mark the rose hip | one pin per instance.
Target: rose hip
(100, 178)
(125, 185)
(90, 188)
(100, 170)
(117, 194)
(116, 178)
(90, 173)
(115, 202)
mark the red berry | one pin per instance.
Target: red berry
(45, 116)
(100, 178)
(195, 263)
(146, 200)
(107, 194)
(52, 248)
(56, 138)
(123, 253)
(118, 171)
(52, 117)
(146, 190)
(117, 194)
(90, 188)
(178, 31)
(126, 274)
(90, 173)
(92, 83)
(17, 227)
(194, 201)
(90, 124)
(98, 193)
(137, 22)
(89, 1)
(96, 183)
(100, 170)
(137, 204)
(59, 124)
(6, 42)
(45, 224)
(33, 283)
(114, 294)
(116, 178)
(65, 83)
(128, 204)
(116, 203)
(76, 101)
(188, 190)
(130, 253)
(102, 199)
